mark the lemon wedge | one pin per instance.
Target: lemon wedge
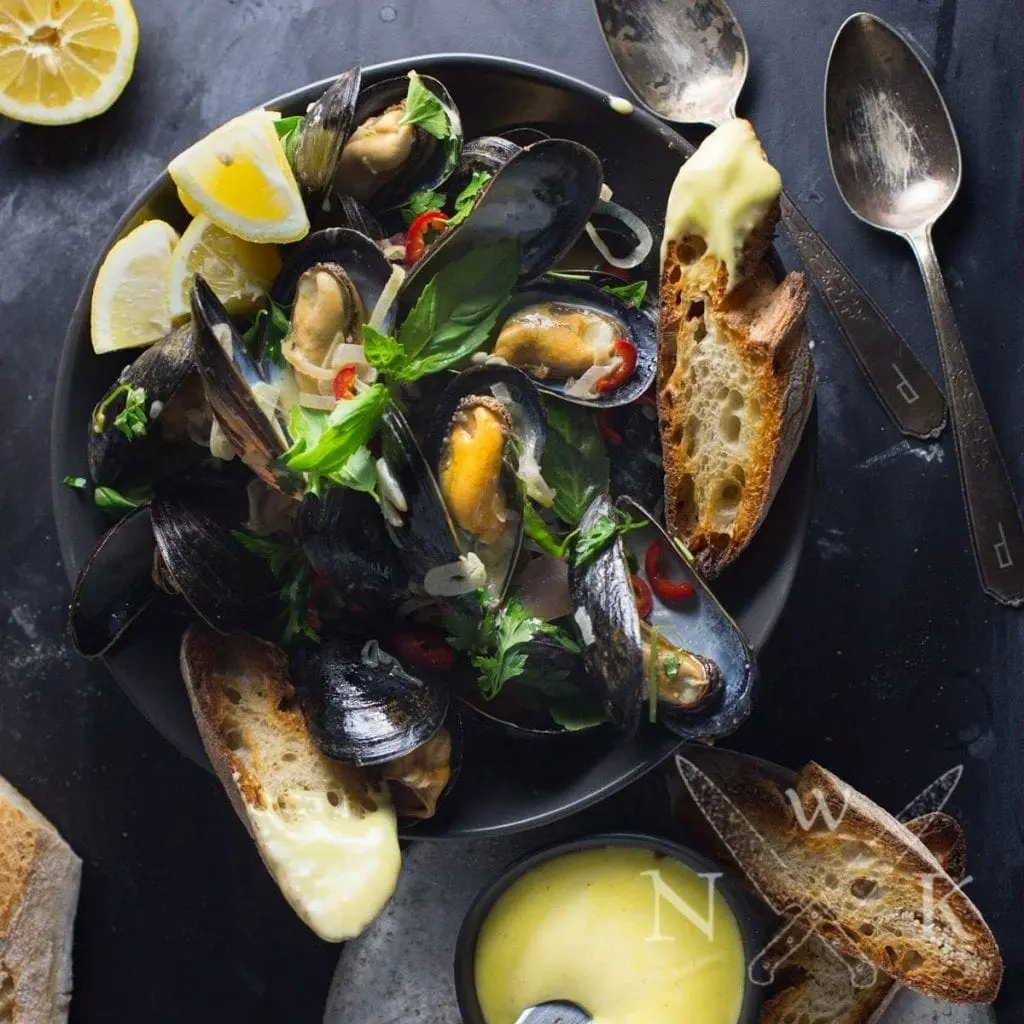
(63, 61)
(239, 177)
(239, 272)
(129, 300)
(190, 208)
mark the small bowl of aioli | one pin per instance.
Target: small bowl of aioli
(632, 928)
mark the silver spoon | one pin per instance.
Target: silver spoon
(686, 60)
(896, 160)
(554, 1013)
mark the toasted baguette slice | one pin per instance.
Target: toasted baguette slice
(881, 895)
(39, 881)
(735, 387)
(326, 833)
(818, 984)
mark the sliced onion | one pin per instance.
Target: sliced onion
(645, 240)
(220, 446)
(455, 578)
(387, 296)
(390, 489)
(606, 192)
(346, 353)
(324, 402)
(537, 488)
(304, 364)
(586, 386)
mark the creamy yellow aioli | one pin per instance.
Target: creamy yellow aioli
(722, 193)
(582, 927)
(336, 864)
(620, 105)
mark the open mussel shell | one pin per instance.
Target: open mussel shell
(704, 628)
(609, 625)
(161, 370)
(428, 164)
(350, 213)
(114, 586)
(487, 153)
(417, 519)
(361, 706)
(540, 199)
(421, 780)
(233, 384)
(566, 297)
(322, 134)
(223, 583)
(346, 541)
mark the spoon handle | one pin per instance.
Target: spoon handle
(903, 386)
(992, 510)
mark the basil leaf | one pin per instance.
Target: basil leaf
(277, 330)
(537, 530)
(457, 310)
(277, 556)
(284, 126)
(575, 462)
(324, 443)
(423, 108)
(420, 202)
(295, 596)
(574, 715)
(111, 500)
(78, 482)
(633, 293)
(359, 473)
(382, 350)
(466, 199)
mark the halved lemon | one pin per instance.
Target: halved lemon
(190, 207)
(129, 300)
(239, 272)
(63, 61)
(239, 177)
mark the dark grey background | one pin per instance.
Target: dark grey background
(889, 664)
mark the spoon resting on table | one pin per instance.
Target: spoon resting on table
(686, 61)
(896, 161)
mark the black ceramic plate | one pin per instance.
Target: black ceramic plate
(506, 785)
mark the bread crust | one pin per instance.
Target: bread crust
(758, 326)
(874, 908)
(39, 884)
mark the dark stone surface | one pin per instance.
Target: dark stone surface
(889, 665)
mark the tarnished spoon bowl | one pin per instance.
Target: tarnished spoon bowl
(893, 148)
(687, 63)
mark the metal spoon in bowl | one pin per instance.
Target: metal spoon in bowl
(896, 160)
(554, 1013)
(686, 60)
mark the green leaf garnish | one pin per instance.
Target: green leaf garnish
(421, 201)
(588, 544)
(324, 443)
(295, 596)
(277, 556)
(575, 462)
(652, 675)
(287, 129)
(423, 108)
(539, 531)
(670, 666)
(632, 293)
(111, 500)
(277, 330)
(466, 199)
(78, 482)
(452, 318)
(132, 420)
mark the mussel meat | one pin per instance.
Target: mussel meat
(361, 706)
(420, 779)
(385, 158)
(159, 374)
(568, 336)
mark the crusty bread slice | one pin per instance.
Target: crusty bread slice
(39, 882)
(735, 388)
(878, 892)
(816, 982)
(326, 831)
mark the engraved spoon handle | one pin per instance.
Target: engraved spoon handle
(903, 386)
(993, 514)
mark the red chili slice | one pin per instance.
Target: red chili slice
(605, 428)
(626, 351)
(643, 598)
(666, 589)
(344, 381)
(422, 647)
(422, 231)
